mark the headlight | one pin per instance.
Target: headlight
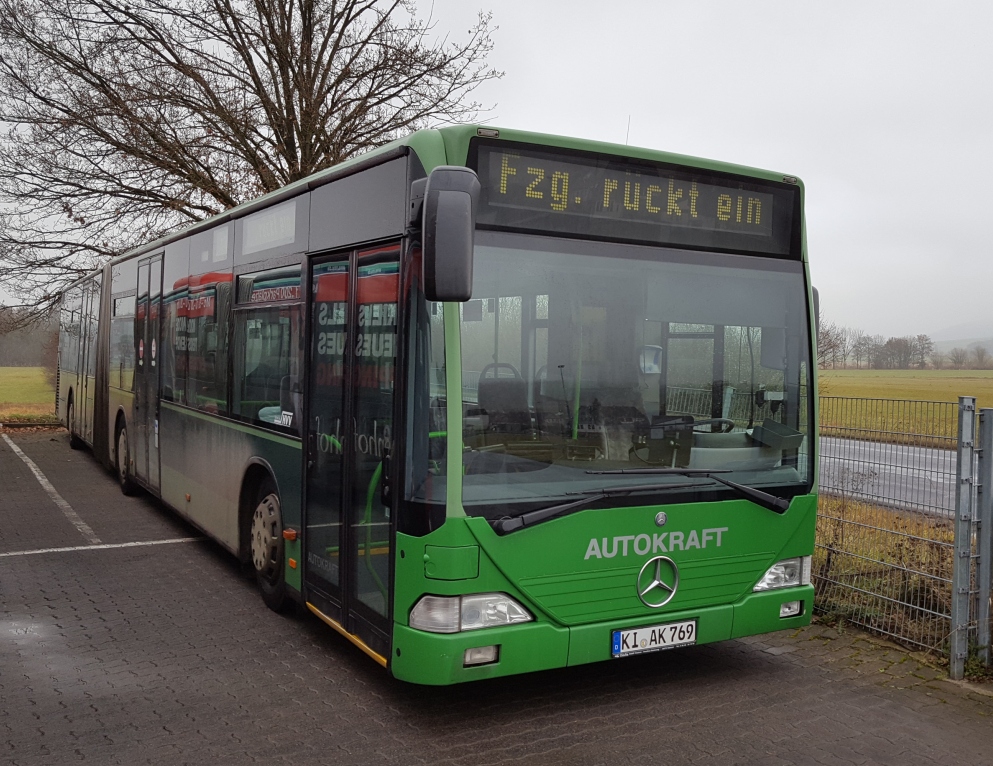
(786, 574)
(452, 614)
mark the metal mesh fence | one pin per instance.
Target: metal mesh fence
(885, 550)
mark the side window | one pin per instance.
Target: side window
(122, 352)
(427, 427)
(175, 310)
(91, 325)
(207, 310)
(267, 354)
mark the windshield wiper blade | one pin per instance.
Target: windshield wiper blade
(766, 500)
(511, 523)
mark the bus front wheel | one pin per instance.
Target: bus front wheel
(266, 536)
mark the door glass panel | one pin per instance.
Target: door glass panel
(326, 428)
(141, 402)
(152, 369)
(375, 360)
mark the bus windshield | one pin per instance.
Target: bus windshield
(580, 357)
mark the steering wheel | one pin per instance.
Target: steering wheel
(726, 424)
(496, 366)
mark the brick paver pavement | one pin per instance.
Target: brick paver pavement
(166, 655)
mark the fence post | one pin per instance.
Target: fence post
(958, 649)
(984, 508)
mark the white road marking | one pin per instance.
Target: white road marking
(82, 526)
(104, 546)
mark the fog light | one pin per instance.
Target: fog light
(480, 655)
(790, 609)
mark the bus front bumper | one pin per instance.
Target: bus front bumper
(438, 659)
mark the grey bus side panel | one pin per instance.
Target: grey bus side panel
(205, 458)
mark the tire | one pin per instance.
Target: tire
(74, 441)
(266, 547)
(122, 463)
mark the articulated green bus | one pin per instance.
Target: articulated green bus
(484, 401)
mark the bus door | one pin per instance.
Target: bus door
(146, 378)
(89, 370)
(347, 536)
(86, 361)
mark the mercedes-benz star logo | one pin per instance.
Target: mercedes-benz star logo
(654, 589)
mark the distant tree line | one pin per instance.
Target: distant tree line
(33, 344)
(841, 347)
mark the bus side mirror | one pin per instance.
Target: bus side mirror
(449, 225)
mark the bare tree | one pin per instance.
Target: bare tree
(980, 357)
(860, 346)
(127, 119)
(846, 339)
(938, 359)
(827, 343)
(958, 357)
(923, 346)
(878, 355)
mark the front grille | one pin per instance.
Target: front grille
(580, 597)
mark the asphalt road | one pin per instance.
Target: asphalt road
(895, 475)
(124, 641)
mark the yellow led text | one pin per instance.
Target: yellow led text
(539, 176)
(506, 171)
(752, 208)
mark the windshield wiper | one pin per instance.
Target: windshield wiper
(757, 496)
(511, 523)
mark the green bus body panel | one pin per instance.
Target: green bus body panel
(292, 552)
(436, 659)
(552, 569)
(445, 563)
(565, 568)
(759, 612)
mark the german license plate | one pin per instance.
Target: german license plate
(653, 638)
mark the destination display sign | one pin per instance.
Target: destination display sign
(541, 189)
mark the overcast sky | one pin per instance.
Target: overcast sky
(882, 108)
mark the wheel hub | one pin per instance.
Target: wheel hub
(122, 454)
(267, 539)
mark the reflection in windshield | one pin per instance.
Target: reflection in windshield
(583, 355)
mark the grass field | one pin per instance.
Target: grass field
(25, 394)
(924, 385)
(895, 412)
